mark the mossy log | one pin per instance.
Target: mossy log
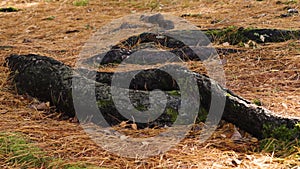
(50, 80)
(127, 47)
(232, 35)
(44, 78)
(235, 35)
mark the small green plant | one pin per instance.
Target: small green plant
(228, 95)
(202, 115)
(75, 166)
(88, 26)
(282, 141)
(288, 2)
(231, 34)
(18, 152)
(282, 132)
(154, 4)
(104, 103)
(280, 148)
(174, 93)
(257, 102)
(50, 18)
(172, 114)
(59, 163)
(141, 107)
(81, 2)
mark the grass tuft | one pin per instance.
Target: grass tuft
(81, 2)
(257, 102)
(16, 150)
(282, 141)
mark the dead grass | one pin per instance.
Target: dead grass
(269, 73)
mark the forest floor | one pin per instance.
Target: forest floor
(268, 72)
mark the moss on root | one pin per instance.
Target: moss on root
(174, 93)
(230, 34)
(172, 114)
(202, 115)
(104, 103)
(235, 35)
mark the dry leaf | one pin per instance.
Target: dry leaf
(285, 105)
(42, 106)
(3, 111)
(223, 61)
(223, 135)
(145, 143)
(246, 45)
(226, 44)
(134, 126)
(254, 140)
(123, 124)
(236, 162)
(74, 120)
(236, 136)
(123, 137)
(262, 38)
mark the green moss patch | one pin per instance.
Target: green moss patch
(16, 149)
(174, 93)
(105, 103)
(202, 115)
(9, 9)
(172, 114)
(81, 2)
(282, 141)
(257, 102)
(235, 35)
(18, 152)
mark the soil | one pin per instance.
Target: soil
(268, 72)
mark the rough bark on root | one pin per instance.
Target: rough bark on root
(51, 80)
